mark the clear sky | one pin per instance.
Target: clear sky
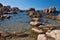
(37, 4)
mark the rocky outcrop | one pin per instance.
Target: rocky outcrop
(34, 15)
(49, 11)
(52, 9)
(52, 35)
(55, 34)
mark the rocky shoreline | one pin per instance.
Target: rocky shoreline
(39, 29)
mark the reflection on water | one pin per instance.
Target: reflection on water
(20, 21)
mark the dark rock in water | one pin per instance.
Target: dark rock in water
(6, 16)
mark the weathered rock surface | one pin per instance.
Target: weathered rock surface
(53, 35)
(41, 37)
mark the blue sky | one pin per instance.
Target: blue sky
(37, 4)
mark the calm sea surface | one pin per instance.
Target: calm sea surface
(20, 22)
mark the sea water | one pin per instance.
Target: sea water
(20, 22)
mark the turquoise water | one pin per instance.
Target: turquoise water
(20, 22)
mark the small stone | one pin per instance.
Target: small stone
(35, 23)
(37, 30)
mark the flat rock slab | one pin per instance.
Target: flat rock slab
(53, 35)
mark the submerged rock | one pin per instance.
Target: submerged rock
(6, 16)
(17, 34)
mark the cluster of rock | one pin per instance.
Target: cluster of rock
(5, 10)
(49, 13)
(35, 17)
(46, 32)
(50, 10)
